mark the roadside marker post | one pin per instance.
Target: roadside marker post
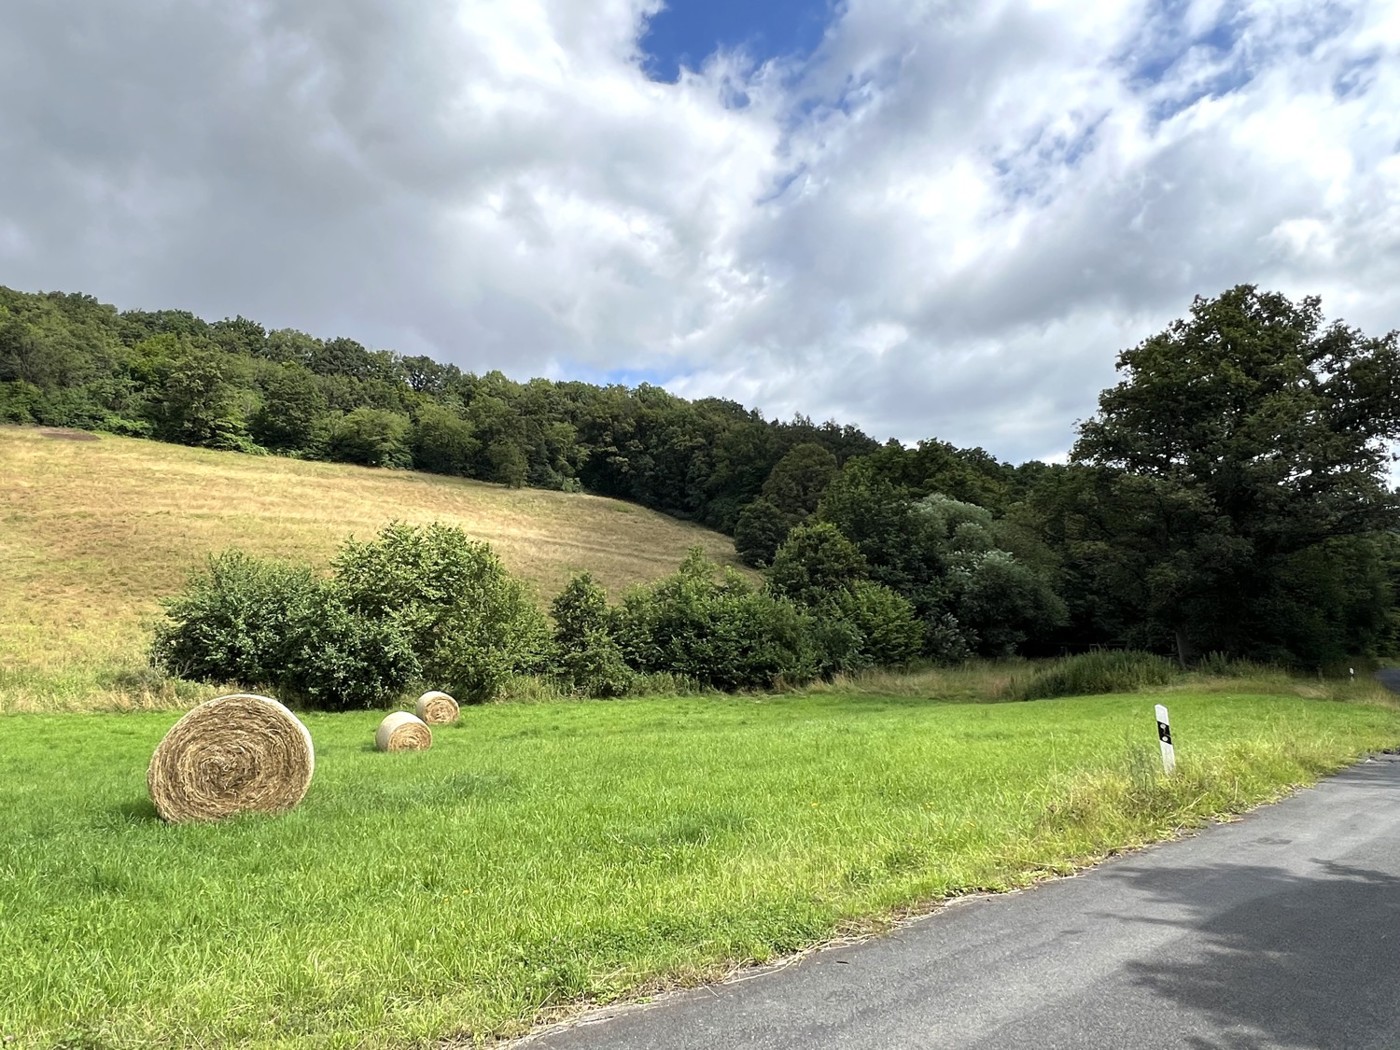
(1164, 735)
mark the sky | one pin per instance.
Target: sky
(929, 218)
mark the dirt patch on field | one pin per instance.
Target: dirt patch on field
(68, 435)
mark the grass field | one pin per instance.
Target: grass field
(545, 855)
(93, 533)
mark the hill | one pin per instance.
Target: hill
(98, 529)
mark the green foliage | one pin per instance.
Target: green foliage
(470, 622)
(199, 405)
(889, 633)
(579, 610)
(759, 531)
(20, 402)
(292, 402)
(285, 390)
(412, 603)
(999, 602)
(942, 555)
(1231, 493)
(235, 620)
(816, 563)
(344, 659)
(860, 624)
(506, 463)
(268, 624)
(374, 437)
(588, 659)
(721, 633)
(1219, 665)
(1102, 671)
(797, 481)
(1243, 439)
(442, 442)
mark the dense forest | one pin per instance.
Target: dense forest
(1229, 496)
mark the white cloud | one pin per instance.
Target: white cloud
(946, 223)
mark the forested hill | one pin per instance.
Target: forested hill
(69, 360)
(1230, 495)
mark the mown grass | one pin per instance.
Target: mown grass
(545, 855)
(94, 533)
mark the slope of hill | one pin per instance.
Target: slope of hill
(95, 530)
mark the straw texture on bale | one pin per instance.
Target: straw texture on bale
(437, 708)
(402, 731)
(232, 754)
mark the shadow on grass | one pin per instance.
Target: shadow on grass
(1303, 962)
(137, 811)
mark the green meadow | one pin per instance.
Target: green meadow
(543, 856)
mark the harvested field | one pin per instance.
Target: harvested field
(93, 534)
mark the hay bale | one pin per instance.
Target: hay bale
(437, 708)
(402, 731)
(232, 754)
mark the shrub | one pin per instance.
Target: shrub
(1103, 671)
(723, 634)
(891, 634)
(587, 658)
(999, 602)
(237, 620)
(814, 563)
(470, 622)
(861, 624)
(344, 660)
(413, 603)
(268, 624)
(1222, 665)
(20, 402)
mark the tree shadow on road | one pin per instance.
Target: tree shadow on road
(1260, 981)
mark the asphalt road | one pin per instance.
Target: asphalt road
(1280, 930)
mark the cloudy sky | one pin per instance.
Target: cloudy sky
(927, 218)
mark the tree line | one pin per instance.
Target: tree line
(1230, 495)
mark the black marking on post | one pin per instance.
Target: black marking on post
(1164, 732)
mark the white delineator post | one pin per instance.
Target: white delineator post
(1164, 734)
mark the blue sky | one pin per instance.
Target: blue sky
(686, 32)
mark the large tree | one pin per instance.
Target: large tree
(1243, 441)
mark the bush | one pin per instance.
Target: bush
(861, 624)
(343, 660)
(814, 563)
(271, 625)
(891, 633)
(723, 634)
(999, 602)
(1222, 665)
(471, 624)
(21, 402)
(587, 658)
(1104, 671)
(414, 604)
(238, 620)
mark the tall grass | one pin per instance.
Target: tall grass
(1087, 674)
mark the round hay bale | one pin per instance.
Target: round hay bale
(232, 754)
(437, 708)
(402, 731)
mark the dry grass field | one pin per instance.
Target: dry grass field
(96, 530)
